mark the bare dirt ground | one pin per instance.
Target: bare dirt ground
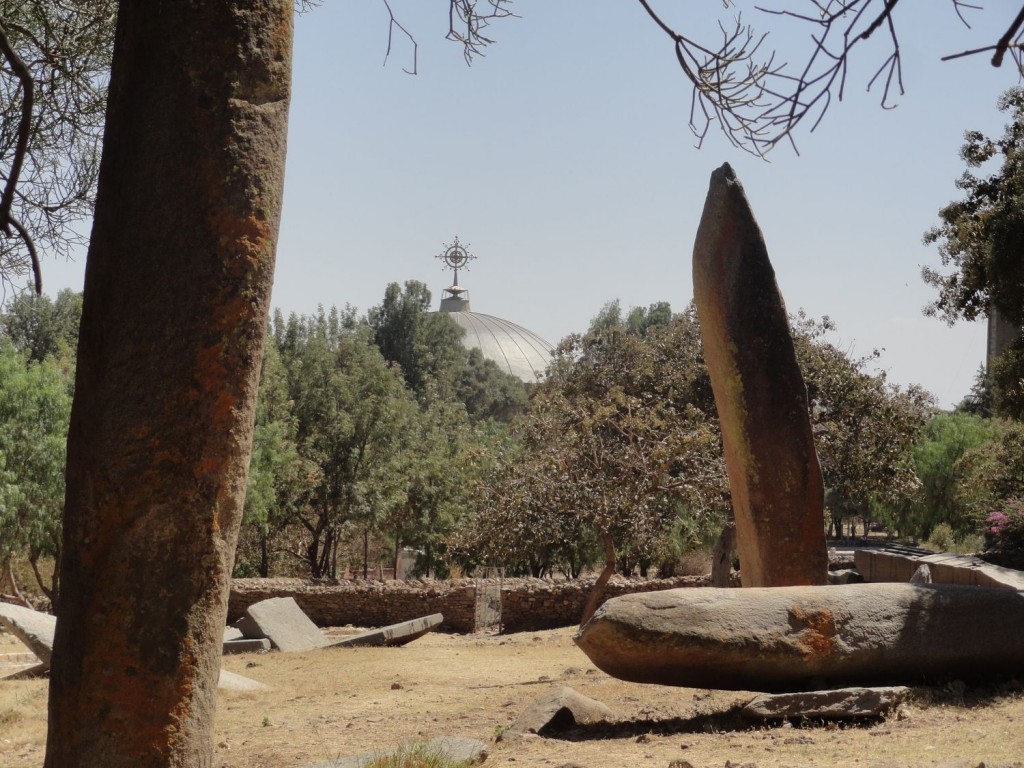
(339, 702)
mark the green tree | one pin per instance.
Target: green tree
(352, 413)
(864, 427)
(979, 241)
(947, 438)
(619, 438)
(425, 345)
(278, 475)
(44, 327)
(35, 405)
(993, 471)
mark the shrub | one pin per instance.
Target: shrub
(1004, 528)
(942, 538)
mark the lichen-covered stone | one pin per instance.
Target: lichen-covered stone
(792, 638)
(774, 475)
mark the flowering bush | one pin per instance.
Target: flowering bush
(1004, 528)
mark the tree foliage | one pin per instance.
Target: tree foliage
(864, 427)
(35, 405)
(979, 236)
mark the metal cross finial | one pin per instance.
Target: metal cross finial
(456, 257)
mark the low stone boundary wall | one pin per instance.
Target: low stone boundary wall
(526, 604)
(879, 565)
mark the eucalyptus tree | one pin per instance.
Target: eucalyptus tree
(41, 326)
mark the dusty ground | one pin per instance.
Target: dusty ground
(339, 702)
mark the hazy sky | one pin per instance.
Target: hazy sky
(564, 160)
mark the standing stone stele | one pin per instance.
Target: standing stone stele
(777, 491)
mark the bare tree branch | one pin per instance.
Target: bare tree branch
(394, 23)
(28, 90)
(758, 102)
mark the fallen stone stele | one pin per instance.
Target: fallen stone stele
(282, 621)
(780, 639)
(395, 634)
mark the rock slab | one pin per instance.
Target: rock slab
(230, 681)
(559, 709)
(836, 704)
(780, 639)
(281, 621)
(33, 628)
(774, 475)
(395, 634)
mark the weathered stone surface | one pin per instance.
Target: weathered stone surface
(246, 645)
(777, 491)
(467, 752)
(232, 633)
(282, 621)
(557, 710)
(33, 628)
(229, 681)
(845, 576)
(397, 634)
(778, 639)
(923, 575)
(836, 704)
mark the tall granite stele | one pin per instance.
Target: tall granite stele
(777, 491)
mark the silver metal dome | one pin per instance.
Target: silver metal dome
(516, 350)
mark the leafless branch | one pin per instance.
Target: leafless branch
(8, 223)
(466, 25)
(758, 102)
(394, 23)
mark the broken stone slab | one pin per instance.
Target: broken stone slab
(836, 704)
(282, 621)
(230, 681)
(777, 491)
(779, 639)
(33, 628)
(246, 645)
(393, 635)
(232, 633)
(25, 671)
(460, 752)
(559, 710)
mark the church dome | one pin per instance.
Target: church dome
(515, 349)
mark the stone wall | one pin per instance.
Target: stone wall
(526, 604)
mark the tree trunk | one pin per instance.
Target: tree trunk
(177, 291)
(597, 591)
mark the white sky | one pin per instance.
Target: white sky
(564, 160)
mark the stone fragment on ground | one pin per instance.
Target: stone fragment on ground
(281, 620)
(246, 645)
(774, 475)
(461, 752)
(923, 575)
(558, 710)
(230, 681)
(395, 634)
(779, 639)
(24, 671)
(835, 704)
(33, 628)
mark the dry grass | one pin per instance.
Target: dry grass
(339, 702)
